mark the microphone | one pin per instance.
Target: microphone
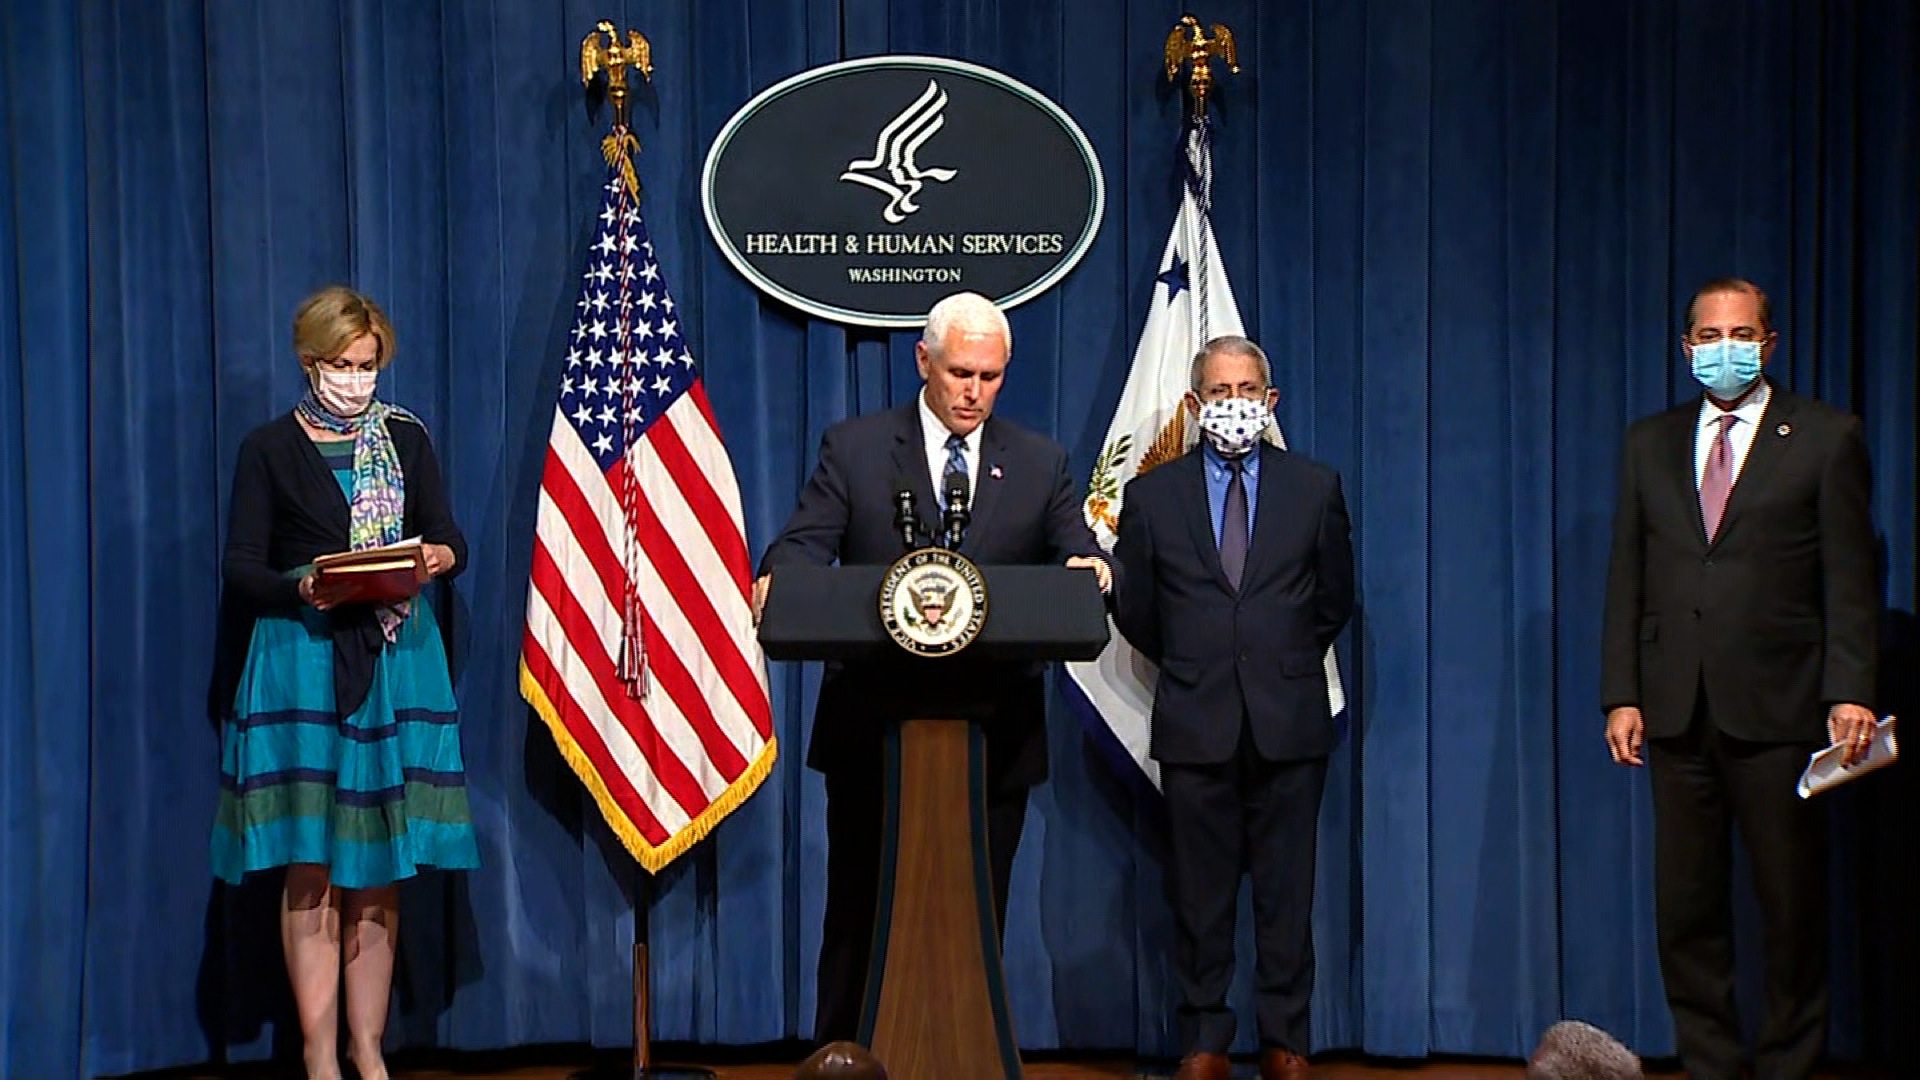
(957, 516)
(905, 521)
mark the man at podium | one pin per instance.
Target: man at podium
(943, 450)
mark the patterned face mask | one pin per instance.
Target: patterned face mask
(1234, 424)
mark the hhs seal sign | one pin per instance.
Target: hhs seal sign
(864, 191)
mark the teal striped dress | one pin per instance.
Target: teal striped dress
(375, 797)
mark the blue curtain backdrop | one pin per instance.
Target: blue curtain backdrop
(1466, 231)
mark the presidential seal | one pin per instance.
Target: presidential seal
(933, 602)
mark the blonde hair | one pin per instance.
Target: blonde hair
(334, 318)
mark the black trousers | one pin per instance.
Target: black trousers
(1247, 815)
(1705, 781)
(855, 809)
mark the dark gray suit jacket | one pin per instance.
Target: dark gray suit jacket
(1778, 617)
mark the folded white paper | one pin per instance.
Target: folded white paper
(1825, 769)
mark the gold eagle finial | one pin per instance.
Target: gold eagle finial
(602, 53)
(1191, 43)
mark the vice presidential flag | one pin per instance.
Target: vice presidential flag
(1191, 304)
(639, 650)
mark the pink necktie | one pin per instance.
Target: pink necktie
(1717, 482)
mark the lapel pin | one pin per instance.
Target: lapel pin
(1783, 430)
(995, 471)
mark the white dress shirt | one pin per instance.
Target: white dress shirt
(1739, 437)
(934, 431)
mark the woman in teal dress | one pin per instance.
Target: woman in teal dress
(341, 758)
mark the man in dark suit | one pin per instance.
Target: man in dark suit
(1235, 576)
(1023, 511)
(1742, 611)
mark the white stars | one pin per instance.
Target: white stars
(650, 273)
(668, 328)
(603, 444)
(598, 330)
(582, 415)
(662, 384)
(646, 302)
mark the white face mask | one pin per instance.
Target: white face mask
(1233, 425)
(344, 393)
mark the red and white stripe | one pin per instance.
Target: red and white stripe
(667, 760)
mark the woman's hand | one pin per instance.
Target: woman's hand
(321, 596)
(439, 559)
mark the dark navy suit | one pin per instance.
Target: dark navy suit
(1241, 723)
(1024, 511)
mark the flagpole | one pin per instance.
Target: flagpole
(643, 1066)
(611, 59)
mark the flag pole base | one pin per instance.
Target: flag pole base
(643, 1064)
(651, 1072)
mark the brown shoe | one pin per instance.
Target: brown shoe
(1201, 1065)
(1281, 1064)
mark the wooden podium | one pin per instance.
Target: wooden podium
(936, 1003)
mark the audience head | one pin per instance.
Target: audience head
(841, 1061)
(1572, 1050)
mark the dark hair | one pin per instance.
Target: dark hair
(1732, 285)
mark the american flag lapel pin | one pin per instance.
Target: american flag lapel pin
(995, 472)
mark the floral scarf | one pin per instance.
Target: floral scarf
(377, 511)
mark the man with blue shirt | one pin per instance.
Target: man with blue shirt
(1741, 633)
(1236, 574)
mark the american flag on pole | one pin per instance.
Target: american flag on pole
(639, 651)
(1192, 303)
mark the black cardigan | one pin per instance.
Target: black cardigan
(287, 508)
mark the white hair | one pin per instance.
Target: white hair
(967, 313)
(1572, 1050)
(1229, 344)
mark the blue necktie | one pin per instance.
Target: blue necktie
(956, 462)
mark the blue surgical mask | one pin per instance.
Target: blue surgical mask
(1726, 367)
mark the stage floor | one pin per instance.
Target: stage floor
(777, 1063)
